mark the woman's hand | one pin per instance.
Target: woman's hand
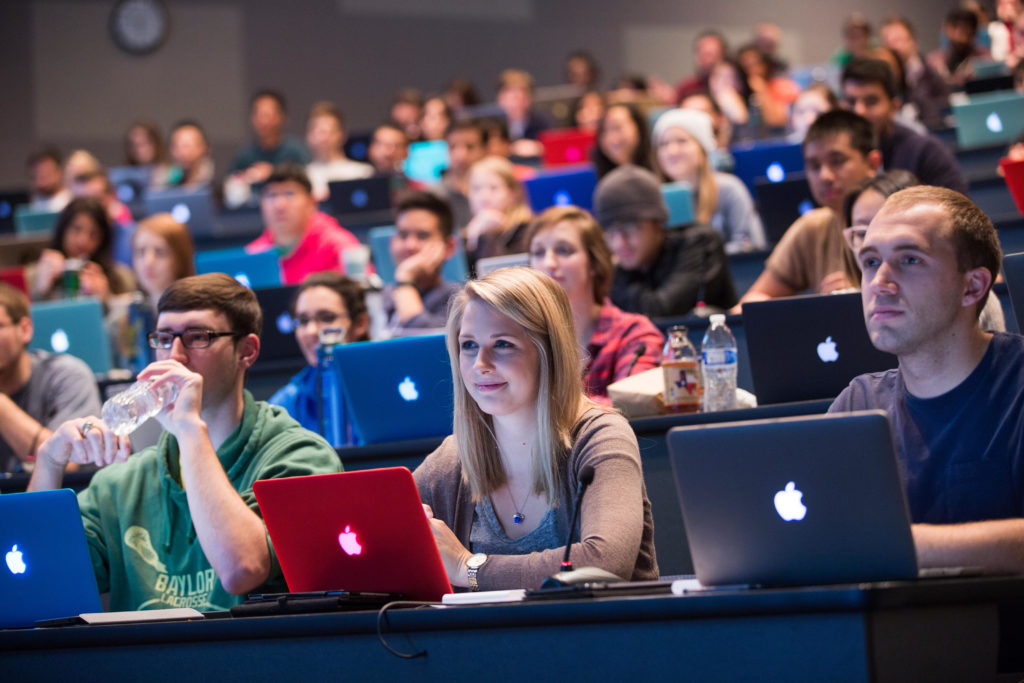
(49, 267)
(93, 281)
(485, 222)
(453, 554)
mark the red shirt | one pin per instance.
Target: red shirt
(613, 346)
(318, 250)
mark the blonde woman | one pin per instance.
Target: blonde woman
(500, 490)
(683, 140)
(500, 211)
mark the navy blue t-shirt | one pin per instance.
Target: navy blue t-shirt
(960, 453)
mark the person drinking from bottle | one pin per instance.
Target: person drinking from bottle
(176, 524)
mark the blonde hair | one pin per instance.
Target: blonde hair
(540, 306)
(707, 188)
(519, 211)
(599, 256)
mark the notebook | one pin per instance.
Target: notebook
(397, 389)
(73, 326)
(277, 340)
(563, 187)
(193, 207)
(773, 160)
(9, 200)
(989, 119)
(781, 203)
(1013, 271)
(679, 202)
(361, 199)
(426, 160)
(454, 269)
(46, 573)
(808, 348)
(353, 531)
(793, 501)
(566, 146)
(254, 270)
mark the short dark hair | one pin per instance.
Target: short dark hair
(428, 201)
(217, 292)
(391, 126)
(189, 123)
(290, 172)
(958, 15)
(470, 125)
(867, 71)
(408, 96)
(275, 95)
(47, 153)
(14, 301)
(832, 123)
(712, 33)
(350, 291)
(899, 19)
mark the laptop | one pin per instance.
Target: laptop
(563, 187)
(489, 264)
(357, 146)
(1013, 271)
(793, 501)
(15, 277)
(254, 270)
(9, 200)
(277, 340)
(989, 120)
(131, 183)
(360, 199)
(781, 203)
(453, 269)
(353, 531)
(808, 348)
(566, 146)
(1013, 173)
(46, 573)
(402, 388)
(773, 160)
(193, 207)
(29, 223)
(73, 326)
(679, 202)
(426, 160)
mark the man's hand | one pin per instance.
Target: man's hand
(834, 282)
(424, 264)
(258, 172)
(85, 441)
(184, 413)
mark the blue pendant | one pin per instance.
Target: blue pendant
(518, 518)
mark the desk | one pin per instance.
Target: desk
(934, 631)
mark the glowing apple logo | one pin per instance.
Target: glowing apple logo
(827, 351)
(243, 279)
(181, 213)
(285, 325)
(15, 561)
(349, 542)
(59, 341)
(407, 389)
(775, 172)
(573, 154)
(562, 198)
(788, 503)
(360, 198)
(994, 123)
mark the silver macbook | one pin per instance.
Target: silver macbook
(793, 501)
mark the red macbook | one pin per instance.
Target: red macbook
(1013, 171)
(353, 531)
(566, 146)
(14, 276)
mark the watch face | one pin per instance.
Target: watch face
(139, 26)
(476, 561)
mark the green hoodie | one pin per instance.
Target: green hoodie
(139, 527)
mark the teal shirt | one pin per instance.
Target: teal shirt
(139, 527)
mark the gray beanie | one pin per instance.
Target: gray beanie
(627, 195)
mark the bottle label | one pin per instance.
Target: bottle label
(683, 386)
(725, 356)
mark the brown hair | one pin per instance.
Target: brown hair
(14, 301)
(515, 78)
(351, 294)
(177, 237)
(599, 255)
(217, 292)
(327, 109)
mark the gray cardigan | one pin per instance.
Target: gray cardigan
(617, 529)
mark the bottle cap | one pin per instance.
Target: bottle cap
(718, 319)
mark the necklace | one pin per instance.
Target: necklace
(517, 516)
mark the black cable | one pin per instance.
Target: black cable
(382, 616)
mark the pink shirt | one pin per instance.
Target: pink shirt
(318, 250)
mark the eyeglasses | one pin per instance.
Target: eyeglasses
(190, 339)
(320, 317)
(627, 230)
(854, 236)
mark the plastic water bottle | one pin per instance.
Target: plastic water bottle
(681, 373)
(124, 412)
(330, 404)
(719, 363)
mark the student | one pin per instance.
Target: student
(38, 390)
(422, 242)
(144, 146)
(955, 61)
(83, 233)
(500, 491)
(388, 148)
(466, 146)
(839, 152)
(955, 402)
(309, 241)
(869, 89)
(567, 244)
(622, 138)
(192, 165)
(405, 111)
(182, 513)
(515, 97)
(46, 180)
(771, 93)
(271, 146)
(658, 272)
(325, 136)
(500, 211)
(817, 99)
(435, 119)
(683, 143)
(323, 301)
(709, 50)
(924, 88)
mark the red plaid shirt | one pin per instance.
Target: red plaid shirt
(613, 347)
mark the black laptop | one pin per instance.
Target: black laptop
(1013, 271)
(807, 348)
(9, 199)
(781, 203)
(277, 340)
(362, 201)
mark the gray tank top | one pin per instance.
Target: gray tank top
(487, 535)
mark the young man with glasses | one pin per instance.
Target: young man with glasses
(324, 302)
(658, 272)
(176, 524)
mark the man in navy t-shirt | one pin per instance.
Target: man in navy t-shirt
(956, 401)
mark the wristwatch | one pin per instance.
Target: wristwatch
(473, 564)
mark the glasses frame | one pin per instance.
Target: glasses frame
(213, 335)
